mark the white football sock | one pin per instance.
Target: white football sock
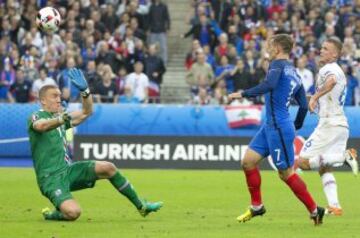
(330, 189)
(256, 208)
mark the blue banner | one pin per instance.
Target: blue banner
(155, 120)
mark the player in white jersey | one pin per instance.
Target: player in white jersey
(326, 146)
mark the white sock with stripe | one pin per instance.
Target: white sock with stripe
(330, 189)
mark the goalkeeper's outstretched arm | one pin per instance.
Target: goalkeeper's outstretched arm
(87, 109)
(78, 79)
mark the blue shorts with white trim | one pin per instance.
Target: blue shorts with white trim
(277, 142)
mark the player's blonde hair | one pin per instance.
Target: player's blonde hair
(285, 41)
(44, 89)
(337, 43)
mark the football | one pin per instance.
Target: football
(48, 19)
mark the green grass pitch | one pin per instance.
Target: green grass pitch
(196, 204)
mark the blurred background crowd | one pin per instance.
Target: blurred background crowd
(229, 38)
(121, 45)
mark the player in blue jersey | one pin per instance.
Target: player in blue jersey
(277, 134)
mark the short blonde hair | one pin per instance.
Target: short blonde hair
(45, 88)
(285, 41)
(337, 43)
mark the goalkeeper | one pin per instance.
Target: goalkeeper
(56, 175)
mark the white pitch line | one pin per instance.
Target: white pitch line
(15, 140)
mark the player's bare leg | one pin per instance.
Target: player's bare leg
(253, 180)
(107, 170)
(302, 164)
(350, 157)
(69, 211)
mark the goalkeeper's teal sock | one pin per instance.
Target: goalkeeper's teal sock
(126, 189)
(54, 215)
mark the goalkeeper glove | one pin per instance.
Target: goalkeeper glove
(78, 79)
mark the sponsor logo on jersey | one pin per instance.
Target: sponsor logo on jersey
(34, 117)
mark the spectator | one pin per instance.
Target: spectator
(106, 90)
(306, 75)
(250, 61)
(139, 52)
(138, 32)
(30, 70)
(259, 76)
(221, 93)
(210, 59)
(120, 80)
(138, 82)
(202, 31)
(329, 32)
(223, 71)
(222, 10)
(191, 56)
(314, 22)
(159, 24)
(52, 66)
(200, 69)
(351, 85)
(110, 18)
(144, 7)
(133, 7)
(52, 40)
(20, 91)
(356, 32)
(235, 40)
(118, 45)
(74, 30)
(128, 96)
(154, 66)
(40, 82)
(7, 78)
(241, 29)
(26, 43)
(99, 26)
(260, 72)
(232, 55)
(93, 78)
(240, 76)
(125, 22)
(106, 56)
(223, 47)
(202, 98)
(130, 41)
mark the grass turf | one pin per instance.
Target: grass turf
(196, 204)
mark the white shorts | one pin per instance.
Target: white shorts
(327, 141)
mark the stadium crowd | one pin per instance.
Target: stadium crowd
(229, 38)
(119, 44)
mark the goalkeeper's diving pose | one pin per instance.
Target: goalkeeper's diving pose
(56, 175)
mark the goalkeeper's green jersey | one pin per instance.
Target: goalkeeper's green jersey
(48, 149)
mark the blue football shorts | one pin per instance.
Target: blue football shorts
(277, 142)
